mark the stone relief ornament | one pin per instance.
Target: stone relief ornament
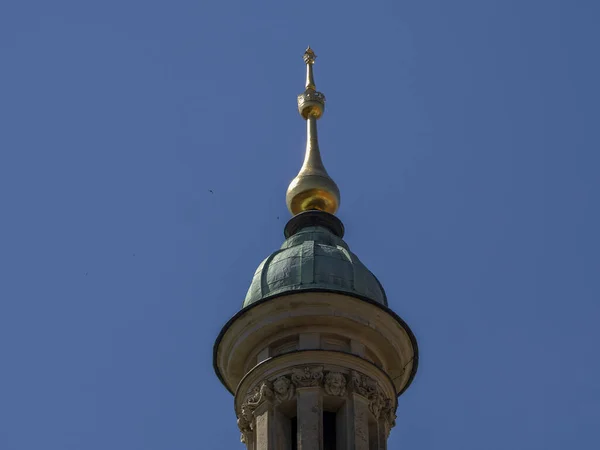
(259, 394)
(283, 389)
(376, 403)
(363, 384)
(307, 376)
(244, 432)
(379, 405)
(246, 416)
(335, 384)
(254, 398)
(388, 412)
(244, 422)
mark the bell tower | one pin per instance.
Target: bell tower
(315, 358)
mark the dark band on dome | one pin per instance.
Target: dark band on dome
(314, 218)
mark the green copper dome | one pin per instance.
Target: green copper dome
(314, 258)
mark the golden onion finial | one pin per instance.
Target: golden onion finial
(313, 188)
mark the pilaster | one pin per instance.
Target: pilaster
(310, 418)
(356, 423)
(265, 428)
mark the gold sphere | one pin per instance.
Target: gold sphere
(308, 192)
(312, 110)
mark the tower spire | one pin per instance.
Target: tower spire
(315, 358)
(313, 188)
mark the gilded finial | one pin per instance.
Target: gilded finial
(309, 56)
(309, 60)
(313, 188)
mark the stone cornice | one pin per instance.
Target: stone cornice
(379, 327)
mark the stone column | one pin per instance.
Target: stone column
(363, 420)
(378, 436)
(353, 424)
(310, 418)
(265, 427)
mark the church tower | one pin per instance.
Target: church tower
(315, 358)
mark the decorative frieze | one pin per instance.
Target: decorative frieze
(379, 404)
(244, 425)
(259, 394)
(284, 389)
(376, 402)
(334, 383)
(244, 422)
(388, 412)
(308, 376)
(254, 398)
(363, 384)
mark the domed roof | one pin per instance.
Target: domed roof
(314, 258)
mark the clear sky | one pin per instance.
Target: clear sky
(463, 136)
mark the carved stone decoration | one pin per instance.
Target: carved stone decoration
(243, 424)
(259, 394)
(335, 384)
(388, 412)
(245, 427)
(283, 389)
(246, 418)
(363, 384)
(356, 381)
(307, 376)
(376, 403)
(379, 404)
(254, 398)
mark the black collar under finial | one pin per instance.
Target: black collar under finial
(314, 218)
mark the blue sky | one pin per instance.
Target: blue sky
(463, 136)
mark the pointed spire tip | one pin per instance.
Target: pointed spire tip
(313, 188)
(309, 56)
